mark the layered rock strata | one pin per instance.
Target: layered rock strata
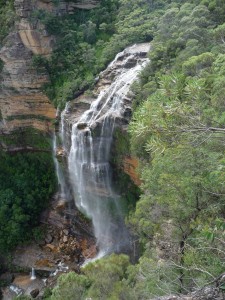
(22, 103)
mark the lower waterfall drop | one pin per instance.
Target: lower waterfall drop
(59, 172)
(91, 140)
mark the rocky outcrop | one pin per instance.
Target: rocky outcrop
(67, 239)
(32, 32)
(22, 103)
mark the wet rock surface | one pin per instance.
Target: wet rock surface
(23, 284)
(34, 293)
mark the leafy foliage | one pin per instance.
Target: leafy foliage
(87, 41)
(7, 18)
(26, 192)
(80, 40)
(100, 280)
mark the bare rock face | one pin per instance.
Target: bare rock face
(32, 33)
(22, 104)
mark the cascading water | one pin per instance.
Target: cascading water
(33, 276)
(91, 140)
(59, 172)
(62, 129)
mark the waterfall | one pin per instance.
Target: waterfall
(59, 172)
(62, 124)
(91, 139)
(33, 276)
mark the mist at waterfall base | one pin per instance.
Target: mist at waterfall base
(88, 159)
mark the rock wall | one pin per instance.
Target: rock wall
(22, 103)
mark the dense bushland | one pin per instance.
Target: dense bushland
(7, 18)
(178, 133)
(27, 182)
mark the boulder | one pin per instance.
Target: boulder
(60, 206)
(51, 247)
(65, 239)
(34, 293)
(48, 239)
(81, 126)
(66, 231)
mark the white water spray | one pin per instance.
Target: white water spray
(62, 132)
(33, 276)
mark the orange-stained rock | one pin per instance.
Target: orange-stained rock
(52, 248)
(61, 206)
(44, 263)
(91, 252)
(130, 165)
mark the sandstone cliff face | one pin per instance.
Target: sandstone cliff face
(22, 103)
(32, 32)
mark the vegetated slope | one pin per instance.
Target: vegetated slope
(27, 179)
(27, 182)
(177, 132)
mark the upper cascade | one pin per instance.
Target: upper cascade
(93, 124)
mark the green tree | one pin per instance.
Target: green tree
(70, 286)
